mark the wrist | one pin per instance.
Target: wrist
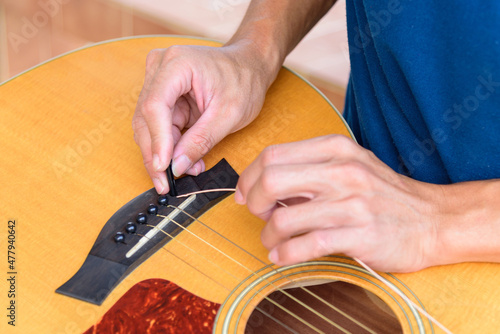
(466, 220)
(263, 59)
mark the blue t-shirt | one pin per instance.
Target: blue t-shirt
(424, 92)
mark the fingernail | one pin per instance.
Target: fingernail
(180, 165)
(195, 170)
(157, 163)
(160, 188)
(273, 256)
(238, 197)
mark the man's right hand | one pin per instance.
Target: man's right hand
(209, 91)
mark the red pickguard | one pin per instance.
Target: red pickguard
(158, 306)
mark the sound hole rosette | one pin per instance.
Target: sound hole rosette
(243, 299)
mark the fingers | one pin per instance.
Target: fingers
(160, 99)
(313, 245)
(197, 168)
(316, 182)
(315, 170)
(198, 140)
(350, 203)
(143, 140)
(291, 221)
(210, 91)
(157, 108)
(325, 149)
(162, 112)
(279, 182)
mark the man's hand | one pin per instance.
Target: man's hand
(212, 92)
(215, 91)
(342, 199)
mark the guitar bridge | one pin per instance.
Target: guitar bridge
(127, 239)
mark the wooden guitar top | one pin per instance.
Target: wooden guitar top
(69, 162)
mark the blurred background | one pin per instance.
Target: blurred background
(32, 31)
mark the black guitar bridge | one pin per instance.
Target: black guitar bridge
(126, 240)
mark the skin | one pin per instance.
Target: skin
(353, 203)
(178, 94)
(340, 198)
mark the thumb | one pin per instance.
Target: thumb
(197, 141)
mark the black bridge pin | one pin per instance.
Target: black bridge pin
(141, 218)
(152, 209)
(119, 237)
(163, 200)
(131, 228)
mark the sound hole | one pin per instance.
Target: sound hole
(362, 305)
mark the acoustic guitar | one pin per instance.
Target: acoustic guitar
(69, 163)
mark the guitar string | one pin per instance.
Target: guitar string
(166, 250)
(357, 322)
(198, 254)
(362, 264)
(265, 297)
(399, 293)
(255, 274)
(214, 280)
(277, 321)
(206, 191)
(406, 299)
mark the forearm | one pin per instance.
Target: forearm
(272, 28)
(468, 228)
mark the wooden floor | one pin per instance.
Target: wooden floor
(32, 31)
